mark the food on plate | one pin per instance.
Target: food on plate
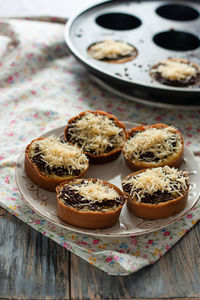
(49, 161)
(89, 203)
(99, 134)
(156, 193)
(112, 51)
(176, 72)
(153, 146)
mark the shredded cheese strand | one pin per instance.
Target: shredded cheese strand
(175, 70)
(96, 133)
(158, 179)
(110, 49)
(94, 191)
(57, 154)
(155, 140)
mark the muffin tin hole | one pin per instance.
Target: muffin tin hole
(176, 40)
(177, 12)
(118, 21)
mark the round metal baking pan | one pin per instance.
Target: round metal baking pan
(143, 98)
(139, 23)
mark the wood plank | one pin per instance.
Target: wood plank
(175, 275)
(34, 267)
(2, 212)
(31, 265)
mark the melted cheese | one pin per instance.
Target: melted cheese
(175, 70)
(158, 179)
(155, 140)
(58, 154)
(96, 132)
(110, 49)
(94, 191)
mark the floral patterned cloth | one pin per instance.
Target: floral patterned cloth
(41, 87)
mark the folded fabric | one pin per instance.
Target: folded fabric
(41, 87)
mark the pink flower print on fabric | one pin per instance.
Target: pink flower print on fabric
(116, 257)
(81, 243)
(39, 222)
(150, 242)
(7, 180)
(166, 233)
(189, 216)
(10, 79)
(134, 242)
(108, 259)
(95, 242)
(11, 198)
(65, 245)
(10, 134)
(188, 144)
(30, 55)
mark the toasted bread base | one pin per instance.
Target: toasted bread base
(38, 178)
(102, 158)
(88, 219)
(172, 161)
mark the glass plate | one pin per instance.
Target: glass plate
(45, 203)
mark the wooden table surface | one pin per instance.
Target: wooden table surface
(34, 267)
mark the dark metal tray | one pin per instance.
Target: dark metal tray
(156, 38)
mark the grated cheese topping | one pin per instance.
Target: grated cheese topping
(94, 191)
(57, 154)
(175, 70)
(163, 179)
(110, 49)
(96, 132)
(160, 142)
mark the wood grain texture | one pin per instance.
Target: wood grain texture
(34, 267)
(175, 275)
(31, 265)
(2, 212)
